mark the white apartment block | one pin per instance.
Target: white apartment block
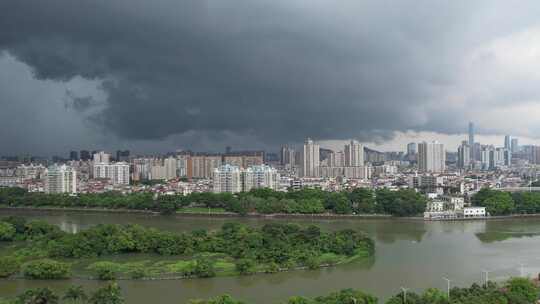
(227, 178)
(60, 179)
(30, 171)
(360, 172)
(354, 154)
(101, 158)
(170, 165)
(233, 179)
(431, 157)
(117, 173)
(261, 176)
(310, 159)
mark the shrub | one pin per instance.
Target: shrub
(138, 273)
(272, 268)
(8, 266)
(245, 266)
(7, 231)
(312, 263)
(46, 269)
(106, 271)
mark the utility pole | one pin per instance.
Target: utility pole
(448, 286)
(404, 290)
(486, 277)
(521, 270)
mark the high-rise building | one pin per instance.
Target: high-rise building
(226, 178)
(202, 166)
(101, 158)
(142, 168)
(533, 154)
(73, 155)
(354, 154)
(471, 140)
(181, 165)
(515, 145)
(287, 156)
(85, 155)
(310, 159)
(508, 142)
(170, 165)
(261, 176)
(411, 148)
(122, 156)
(117, 173)
(464, 155)
(487, 157)
(60, 179)
(431, 157)
(337, 159)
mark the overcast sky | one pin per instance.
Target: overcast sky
(163, 75)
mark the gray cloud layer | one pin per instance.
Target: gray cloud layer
(271, 71)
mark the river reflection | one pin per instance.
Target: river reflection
(409, 253)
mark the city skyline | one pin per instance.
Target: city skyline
(399, 144)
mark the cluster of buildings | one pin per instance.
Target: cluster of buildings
(234, 179)
(425, 166)
(451, 207)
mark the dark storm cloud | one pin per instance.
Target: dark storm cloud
(273, 70)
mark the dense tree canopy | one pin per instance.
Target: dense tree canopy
(515, 291)
(496, 202)
(266, 201)
(503, 203)
(284, 245)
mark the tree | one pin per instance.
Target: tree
(362, 200)
(7, 231)
(37, 296)
(19, 223)
(245, 266)
(521, 291)
(110, 294)
(204, 268)
(75, 294)
(435, 296)
(404, 202)
(496, 202)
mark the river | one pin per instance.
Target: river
(409, 253)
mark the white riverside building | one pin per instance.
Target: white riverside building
(233, 179)
(61, 179)
(117, 173)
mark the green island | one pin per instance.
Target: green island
(38, 250)
(404, 202)
(514, 291)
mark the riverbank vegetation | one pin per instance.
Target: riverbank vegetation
(109, 294)
(515, 291)
(404, 202)
(42, 251)
(505, 203)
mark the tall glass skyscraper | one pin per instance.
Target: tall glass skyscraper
(471, 140)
